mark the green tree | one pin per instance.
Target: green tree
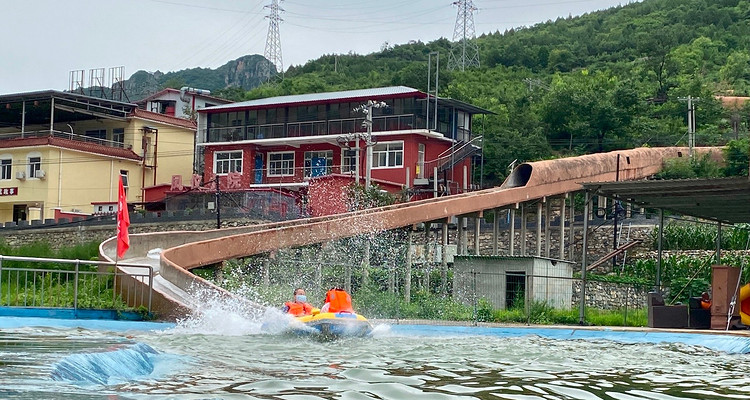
(584, 109)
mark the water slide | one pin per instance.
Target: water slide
(179, 292)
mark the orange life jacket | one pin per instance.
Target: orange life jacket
(298, 308)
(339, 301)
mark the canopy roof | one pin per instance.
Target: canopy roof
(724, 200)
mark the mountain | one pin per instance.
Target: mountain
(244, 73)
(606, 80)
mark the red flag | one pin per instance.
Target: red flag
(123, 222)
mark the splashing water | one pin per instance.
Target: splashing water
(232, 316)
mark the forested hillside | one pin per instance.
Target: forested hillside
(602, 81)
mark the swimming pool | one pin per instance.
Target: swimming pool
(229, 357)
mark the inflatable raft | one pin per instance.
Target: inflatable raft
(334, 325)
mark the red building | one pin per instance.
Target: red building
(311, 146)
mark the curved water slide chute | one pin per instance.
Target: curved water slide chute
(527, 182)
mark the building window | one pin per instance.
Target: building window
(281, 164)
(125, 183)
(318, 163)
(227, 161)
(6, 163)
(348, 161)
(118, 135)
(97, 134)
(34, 164)
(388, 155)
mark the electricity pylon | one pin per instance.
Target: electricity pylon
(465, 52)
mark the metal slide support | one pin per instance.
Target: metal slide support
(572, 237)
(267, 272)
(523, 229)
(464, 235)
(444, 258)
(660, 250)
(547, 233)
(477, 227)
(584, 259)
(539, 229)
(495, 231)
(562, 226)
(459, 235)
(512, 235)
(407, 273)
(366, 263)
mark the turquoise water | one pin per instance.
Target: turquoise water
(229, 357)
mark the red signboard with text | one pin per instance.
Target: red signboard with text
(13, 191)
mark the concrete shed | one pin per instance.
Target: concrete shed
(505, 281)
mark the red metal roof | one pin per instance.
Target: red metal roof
(163, 118)
(71, 144)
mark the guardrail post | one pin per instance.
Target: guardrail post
(1, 276)
(150, 286)
(75, 286)
(475, 297)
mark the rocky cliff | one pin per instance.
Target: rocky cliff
(245, 72)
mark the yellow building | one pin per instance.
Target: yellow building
(60, 152)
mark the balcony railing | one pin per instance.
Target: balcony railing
(62, 135)
(309, 128)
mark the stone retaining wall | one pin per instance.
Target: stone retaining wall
(85, 232)
(610, 296)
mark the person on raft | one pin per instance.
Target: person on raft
(299, 305)
(337, 300)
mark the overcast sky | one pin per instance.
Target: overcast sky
(43, 40)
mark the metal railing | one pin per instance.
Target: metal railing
(63, 283)
(61, 135)
(308, 128)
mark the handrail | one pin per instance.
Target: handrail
(77, 273)
(444, 158)
(60, 135)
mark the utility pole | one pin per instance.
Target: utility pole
(429, 89)
(691, 121)
(369, 142)
(218, 206)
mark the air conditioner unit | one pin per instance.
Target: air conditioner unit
(40, 174)
(21, 175)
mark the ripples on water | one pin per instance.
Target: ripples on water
(246, 364)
